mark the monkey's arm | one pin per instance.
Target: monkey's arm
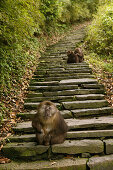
(37, 126)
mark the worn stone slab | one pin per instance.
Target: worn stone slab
(29, 115)
(45, 83)
(92, 123)
(34, 94)
(62, 74)
(33, 106)
(51, 98)
(70, 135)
(76, 70)
(22, 138)
(89, 97)
(60, 78)
(78, 81)
(85, 104)
(92, 86)
(73, 92)
(77, 124)
(109, 146)
(79, 146)
(52, 88)
(90, 134)
(93, 111)
(63, 164)
(101, 163)
(23, 149)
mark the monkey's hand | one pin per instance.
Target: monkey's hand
(37, 126)
(47, 139)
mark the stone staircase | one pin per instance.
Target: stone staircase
(80, 99)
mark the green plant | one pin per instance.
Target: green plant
(100, 32)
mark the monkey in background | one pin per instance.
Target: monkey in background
(49, 124)
(79, 53)
(72, 57)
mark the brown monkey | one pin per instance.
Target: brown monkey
(72, 57)
(49, 124)
(79, 53)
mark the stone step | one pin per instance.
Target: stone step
(33, 106)
(102, 123)
(60, 78)
(87, 104)
(73, 113)
(92, 112)
(61, 75)
(52, 72)
(78, 81)
(87, 134)
(74, 92)
(29, 115)
(63, 164)
(45, 83)
(31, 149)
(52, 88)
(66, 98)
(32, 97)
(66, 82)
(101, 163)
(72, 105)
(92, 86)
(93, 163)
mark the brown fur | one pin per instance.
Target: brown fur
(49, 124)
(79, 53)
(72, 57)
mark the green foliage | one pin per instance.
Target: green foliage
(100, 63)
(50, 10)
(19, 20)
(23, 26)
(100, 32)
(72, 11)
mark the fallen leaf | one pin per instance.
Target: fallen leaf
(4, 160)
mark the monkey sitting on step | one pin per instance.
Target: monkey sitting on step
(79, 53)
(72, 57)
(49, 124)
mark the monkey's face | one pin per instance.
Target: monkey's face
(47, 110)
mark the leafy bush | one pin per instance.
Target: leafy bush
(100, 32)
(23, 22)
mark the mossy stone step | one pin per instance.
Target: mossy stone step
(85, 104)
(102, 134)
(78, 81)
(92, 112)
(62, 75)
(34, 105)
(109, 146)
(29, 115)
(54, 78)
(66, 98)
(52, 88)
(74, 113)
(87, 134)
(102, 123)
(51, 98)
(48, 72)
(74, 92)
(92, 86)
(105, 122)
(31, 149)
(101, 163)
(79, 146)
(63, 164)
(45, 83)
